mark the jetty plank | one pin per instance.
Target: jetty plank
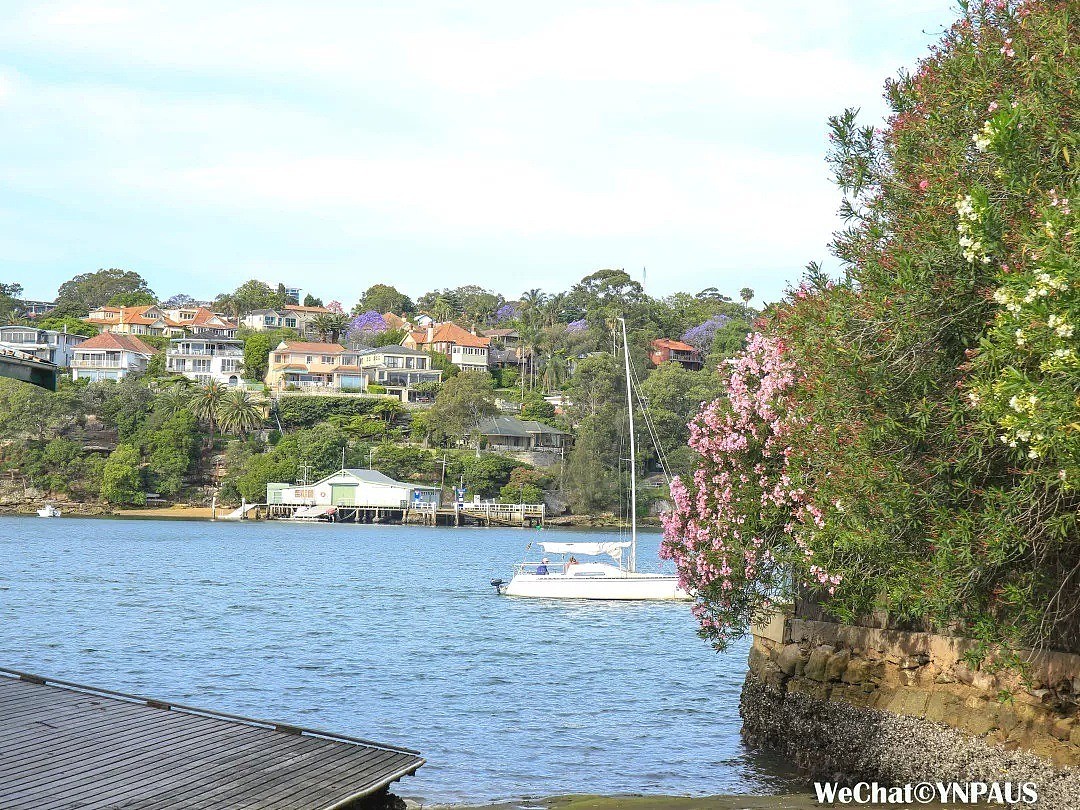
(64, 745)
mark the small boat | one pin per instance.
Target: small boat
(48, 510)
(588, 579)
(595, 580)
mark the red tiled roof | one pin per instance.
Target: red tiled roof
(393, 321)
(451, 333)
(310, 348)
(111, 340)
(298, 308)
(676, 345)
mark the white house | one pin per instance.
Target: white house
(44, 344)
(204, 359)
(109, 356)
(364, 488)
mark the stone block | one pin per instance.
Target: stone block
(791, 659)
(914, 661)
(757, 659)
(941, 706)
(836, 665)
(1062, 729)
(979, 721)
(858, 671)
(815, 666)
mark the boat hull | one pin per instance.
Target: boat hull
(631, 587)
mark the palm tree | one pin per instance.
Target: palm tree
(442, 310)
(238, 411)
(746, 294)
(205, 401)
(330, 325)
(173, 399)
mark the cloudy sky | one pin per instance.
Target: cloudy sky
(333, 145)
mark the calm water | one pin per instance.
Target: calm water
(390, 633)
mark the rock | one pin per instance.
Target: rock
(858, 670)
(835, 666)
(791, 659)
(1062, 728)
(914, 661)
(815, 666)
(963, 673)
(757, 659)
(1074, 736)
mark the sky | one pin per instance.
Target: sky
(335, 145)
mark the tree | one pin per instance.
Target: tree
(66, 323)
(205, 402)
(311, 301)
(239, 412)
(178, 301)
(133, 298)
(441, 309)
(170, 447)
(249, 296)
(384, 298)
(605, 294)
(363, 328)
(903, 439)
(87, 291)
(257, 348)
(460, 405)
(9, 299)
(121, 482)
(746, 294)
(330, 325)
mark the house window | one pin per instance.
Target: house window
(327, 359)
(279, 358)
(309, 359)
(290, 322)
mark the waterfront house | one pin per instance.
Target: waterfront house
(109, 356)
(467, 350)
(200, 322)
(36, 309)
(352, 487)
(206, 358)
(664, 350)
(44, 344)
(155, 320)
(302, 364)
(508, 338)
(398, 369)
(510, 434)
(393, 321)
(292, 316)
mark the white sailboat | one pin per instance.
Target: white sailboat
(48, 511)
(574, 579)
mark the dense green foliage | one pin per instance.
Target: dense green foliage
(907, 440)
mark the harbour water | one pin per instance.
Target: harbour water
(391, 633)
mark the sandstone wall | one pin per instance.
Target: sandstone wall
(855, 703)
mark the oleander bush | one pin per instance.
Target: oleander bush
(907, 439)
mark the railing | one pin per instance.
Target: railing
(174, 352)
(501, 509)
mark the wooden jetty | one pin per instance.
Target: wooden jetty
(458, 514)
(64, 745)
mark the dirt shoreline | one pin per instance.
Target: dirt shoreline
(191, 512)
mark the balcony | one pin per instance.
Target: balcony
(179, 352)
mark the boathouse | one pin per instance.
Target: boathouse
(353, 488)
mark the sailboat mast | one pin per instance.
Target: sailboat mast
(633, 451)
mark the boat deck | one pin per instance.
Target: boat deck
(63, 745)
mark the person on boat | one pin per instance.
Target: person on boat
(571, 561)
(542, 568)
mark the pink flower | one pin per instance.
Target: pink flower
(924, 184)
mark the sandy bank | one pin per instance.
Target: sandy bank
(792, 802)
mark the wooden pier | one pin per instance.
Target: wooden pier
(63, 745)
(461, 514)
